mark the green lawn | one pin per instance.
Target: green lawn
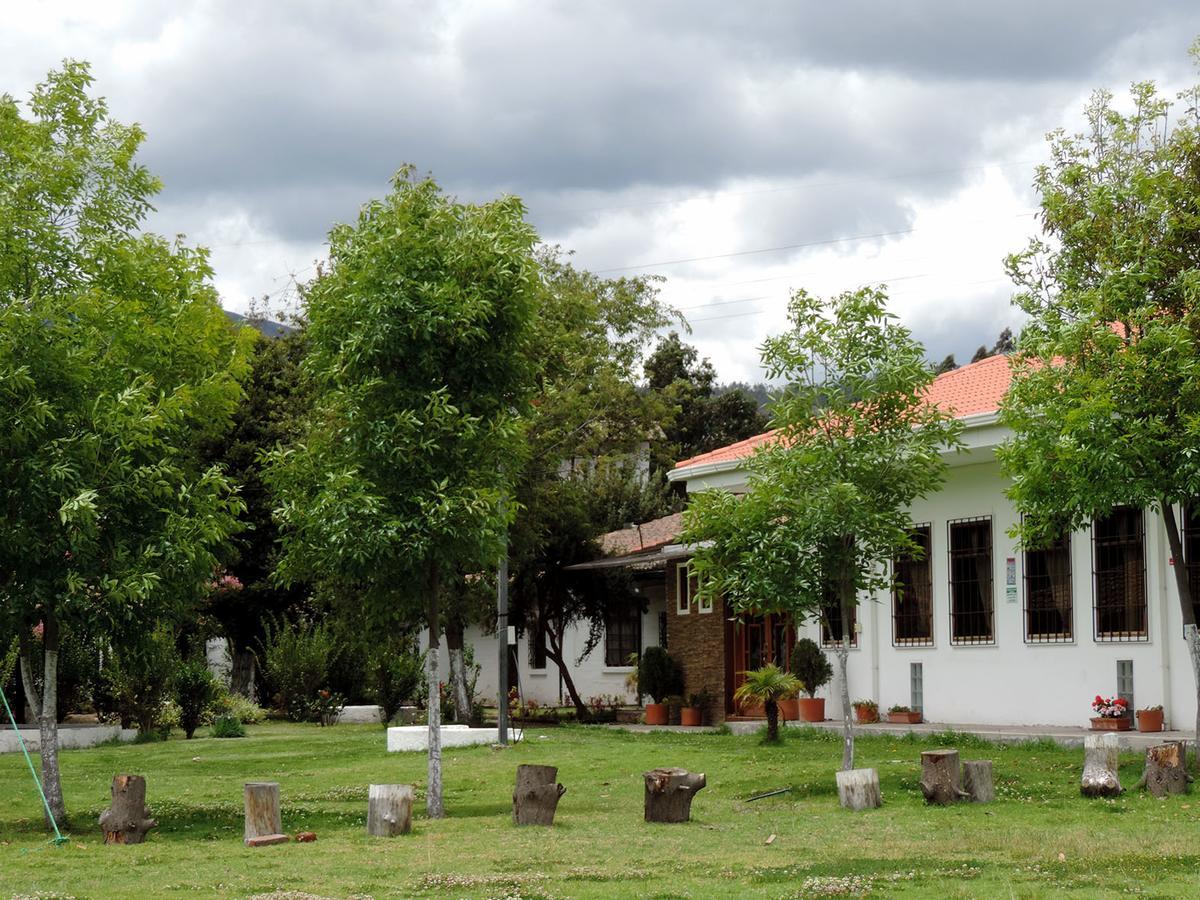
(599, 846)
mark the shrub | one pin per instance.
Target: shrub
(810, 665)
(195, 689)
(138, 680)
(659, 676)
(295, 660)
(396, 675)
(228, 727)
(241, 708)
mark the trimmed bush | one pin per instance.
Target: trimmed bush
(228, 727)
(810, 665)
(195, 689)
(659, 676)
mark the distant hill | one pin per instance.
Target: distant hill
(265, 326)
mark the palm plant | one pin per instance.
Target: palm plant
(768, 686)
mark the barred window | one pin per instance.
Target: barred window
(1049, 614)
(622, 634)
(971, 611)
(912, 594)
(1191, 551)
(1119, 563)
(537, 646)
(831, 623)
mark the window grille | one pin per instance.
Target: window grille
(916, 687)
(662, 630)
(1049, 614)
(1119, 570)
(622, 634)
(1191, 552)
(912, 594)
(971, 607)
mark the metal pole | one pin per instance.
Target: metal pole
(502, 632)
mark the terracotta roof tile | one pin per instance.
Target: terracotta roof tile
(647, 536)
(967, 391)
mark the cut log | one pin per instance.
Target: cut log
(262, 810)
(977, 780)
(1166, 769)
(669, 794)
(536, 796)
(127, 820)
(858, 789)
(389, 809)
(940, 777)
(1100, 755)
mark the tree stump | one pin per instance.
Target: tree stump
(389, 809)
(940, 777)
(669, 794)
(858, 789)
(1100, 766)
(977, 780)
(536, 795)
(128, 819)
(262, 812)
(1166, 769)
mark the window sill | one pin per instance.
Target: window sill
(539, 673)
(929, 646)
(991, 643)
(617, 670)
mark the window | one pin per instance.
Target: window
(831, 623)
(1048, 611)
(683, 589)
(537, 646)
(622, 635)
(912, 594)
(971, 581)
(1119, 561)
(1191, 551)
(662, 630)
(916, 687)
(1125, 683)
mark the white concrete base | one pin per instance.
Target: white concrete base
(360, 715)
(70, 737)
(416, 737)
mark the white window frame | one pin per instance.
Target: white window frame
(683, 599)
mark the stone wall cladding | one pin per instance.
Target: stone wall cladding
(697, 642)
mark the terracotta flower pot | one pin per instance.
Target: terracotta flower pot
(789, 710)
(904, 718)
(1103, 723)
(865, 715)
(1150, 719)
(656, 714)
(812, 709)
(690, 716)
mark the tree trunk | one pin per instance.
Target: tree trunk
(940, 777)
(858, 789)
(458, 672)
(1100, 757)
(1183, 588)
(669, 794)
(433, 787)
(242, 673)
(554, 653)
(536, 796)
(1166, 769)
(27, 684)
(978, 781)
(389, 809)
(263, 817)
(127, 820)
(843, 658)
(772, 710)
(48, 722)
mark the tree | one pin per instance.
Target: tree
(981, 354)
(1004, 343)
(115, 362)
(419, 363)
(946, 365)
(768, 686)
(1105, 401)
(826, 504)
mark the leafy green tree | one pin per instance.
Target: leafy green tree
(419, 363)
(1105, 402)
(946, 365)
(981, 354)
(826, 505)
(115, 362)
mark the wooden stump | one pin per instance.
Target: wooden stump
(669, 794)
(858, 789)
(977, 780)
(536, 796)
(127, 820)
(940, 777)
(389, 809)
(262, 812)
(1166, 769)
(1100, 766)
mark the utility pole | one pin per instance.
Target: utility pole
(502, 632)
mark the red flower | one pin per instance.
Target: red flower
(1121, 701)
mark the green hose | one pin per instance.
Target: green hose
(58, 835)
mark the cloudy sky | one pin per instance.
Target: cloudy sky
(738, 150)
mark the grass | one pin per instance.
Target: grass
(1039, 838)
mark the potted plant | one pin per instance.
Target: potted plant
(1150, 718)
(767, 686)
(658, 678)
(811, 667)
(693, 713)
(865, 711)
(1112, 714)
(903, 715)
(674, 704)
(789, 707)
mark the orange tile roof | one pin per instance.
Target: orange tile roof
(967, 391)
(647, 536)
